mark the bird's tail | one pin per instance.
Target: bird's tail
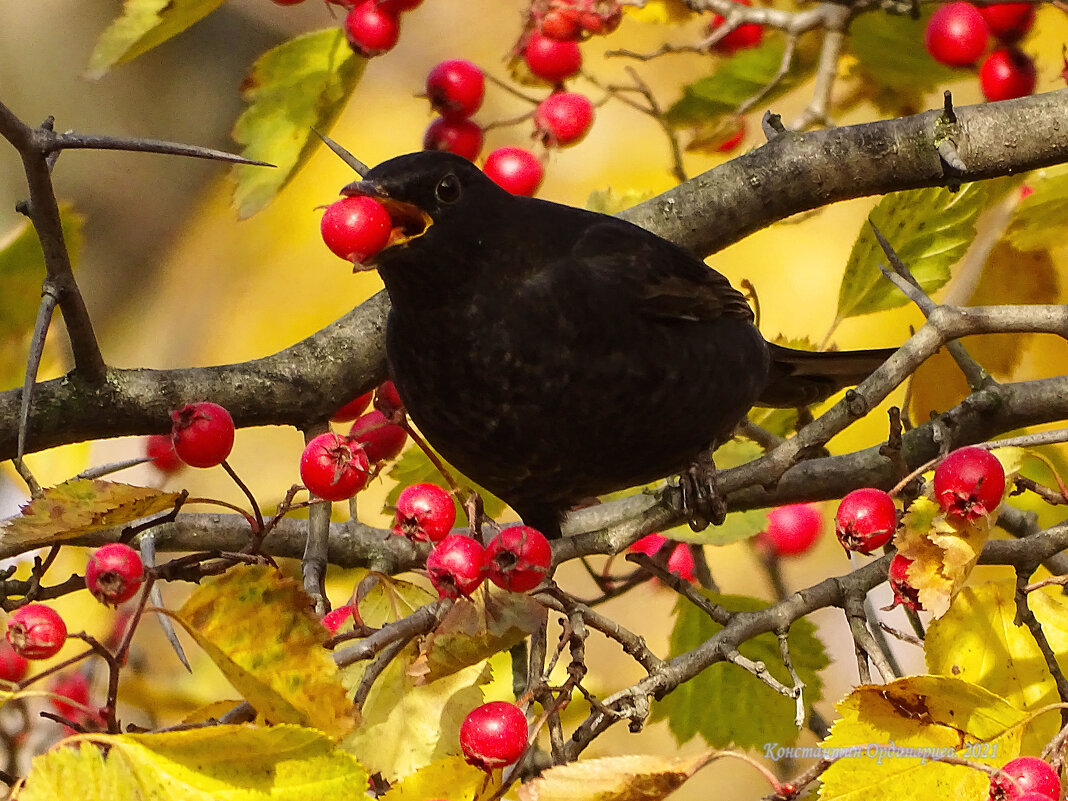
(800, 377)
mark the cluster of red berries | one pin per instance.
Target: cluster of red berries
(1026, 779)
(958, 34)
(334, 466)
(517, 560)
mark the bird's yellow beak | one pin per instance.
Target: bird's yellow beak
(409, 221)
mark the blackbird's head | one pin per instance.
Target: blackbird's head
(428, 189)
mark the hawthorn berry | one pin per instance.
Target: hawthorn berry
(355, 228)
(387, 399)
(424, 513)
(114, 573)
(455, 566)
(562, 23)
(1026, 775)
(603, 18)
(335, 618)
(36, 631)
(748, 34)
(353, 409)
(680, 561)
(904, 593)
(1009, 22)
(866, 519)
(791, 529)
(381, 439)
(460, 136)
(494, 735)
(71, 694)
(1007, 73)
(515, 169)
(12, 666)
(563, 118)
(334, 467)
(550, 59)
(202, 433)
(455, 88)
(518, 558)
(969, 483)
(956, 34)
(371, 28)
(160, 450)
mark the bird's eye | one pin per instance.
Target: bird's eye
(448, 189)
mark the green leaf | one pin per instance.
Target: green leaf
(1041, 219)
(887, 50)
(299, 85)
(735, 80)
(930, 229)
(143, 25)
(413, 467)
(726, 704)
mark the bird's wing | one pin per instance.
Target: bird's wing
(666, 281)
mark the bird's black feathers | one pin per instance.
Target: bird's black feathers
(554, 354)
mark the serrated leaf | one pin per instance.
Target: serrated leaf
(726, 704)
(639, 777)
(258, 628)
(450, 777)
(887, 52)
(735, 80)
(142, 25)
(930, 229)
(475, 629)
(298, 85)
(284, 763)
(77, 507)
(978, 640)
(1042, 217)
(406, 725)
(413, 467)
(391, 599)
(937, 715)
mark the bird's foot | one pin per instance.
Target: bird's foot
(702, 503)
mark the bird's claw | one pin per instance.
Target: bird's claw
(702, 503)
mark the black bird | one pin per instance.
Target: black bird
(555, 354)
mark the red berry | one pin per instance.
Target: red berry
(1009, 21)
(160, 449)
(904, 593)
(494, 735)
(387, 399)
(1031, 775)
(866, 520)
(956, 34)
(515, 169)
(1007, 73)
(352, 409)
(372, 29)
(71, 689)
(604, 19)
(455, 88)
(563, 118)
(114, 573)
(202, 433)
(36, 631)
(748, 34)
(460, 136)
(333, 467)
(969, 483)
(552, 60)
(792, 530)
(680, 562)
(12, 666)
(455, 566)
(518, 558)
(335, 618)
(425, 513)
(381, 439)
(731, 142)
(562, 24)
(355, 228)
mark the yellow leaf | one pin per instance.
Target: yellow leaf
(77, 507)
(258, 628)
(891, 731)
(283, 763)
(623, 778)
(391, 599)
(977, 641)
(659, 11)
(451, 777)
